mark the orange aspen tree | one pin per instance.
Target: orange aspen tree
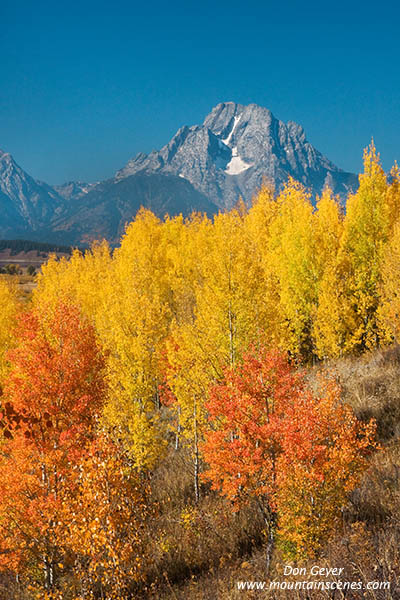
(297, 453)
(102, 522)
(51, 400)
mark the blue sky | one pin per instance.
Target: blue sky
(86, 85)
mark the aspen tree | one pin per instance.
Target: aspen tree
(389, 310)
(52, 400)
(138, 316)
(9, 307)
(293, 254)
(268, 318)
(351, 290)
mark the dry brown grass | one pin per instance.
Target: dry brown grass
(371, 385)
(191, 539)
(368, 547)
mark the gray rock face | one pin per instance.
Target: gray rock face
(235, 149)
(73, 190)
(25, 203)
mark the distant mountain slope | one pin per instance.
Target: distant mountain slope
(73, 190)
(77, 213)
(204, 168)
(17, 246)
(105, 210)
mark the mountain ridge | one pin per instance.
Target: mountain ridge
(204, 167)
(235, 148)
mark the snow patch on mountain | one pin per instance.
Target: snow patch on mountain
(227, 140)
(236, 165)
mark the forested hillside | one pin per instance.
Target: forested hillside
(207, 403)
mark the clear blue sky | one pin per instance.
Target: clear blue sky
(86, 85)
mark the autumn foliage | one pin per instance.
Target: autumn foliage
(102, 522)
(297, 452)
(160, 408)
(54, 463)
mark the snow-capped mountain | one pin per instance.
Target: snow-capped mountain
(235, 148)
(204, 167)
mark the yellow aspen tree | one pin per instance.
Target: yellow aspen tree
(335, 317)
(9, 305)
(128, 297)
(77, 280)
(226, 283)
(183, 262)
(393, 197)
(229, 293)
(187, 373)
(350, 294)
(328, 231)
(389, 311)
(293, 254)
(125, 295)
(138, 317)
(268, 316)
(328, 226)
(187, 382)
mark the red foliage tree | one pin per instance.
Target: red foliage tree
(50, 402)
(273, 439)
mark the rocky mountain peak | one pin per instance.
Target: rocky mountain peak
(235, 148)
(24, 201)
(6, 162)
(296, 131)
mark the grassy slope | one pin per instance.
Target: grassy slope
(219, 548)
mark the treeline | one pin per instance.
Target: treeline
(17, 246)
(14, 270)
(185, 341)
